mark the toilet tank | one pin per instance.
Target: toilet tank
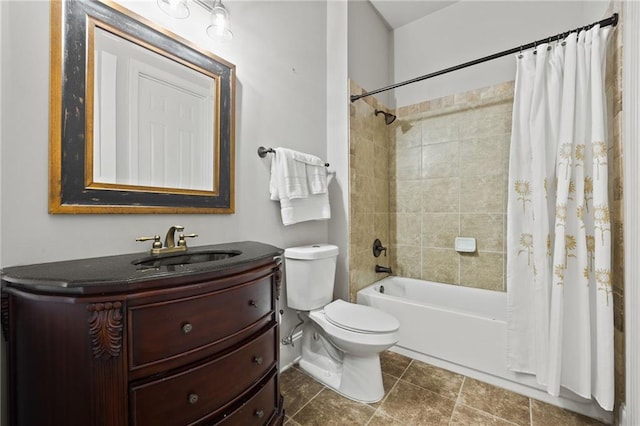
(310, 273)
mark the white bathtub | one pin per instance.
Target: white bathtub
(461, 329)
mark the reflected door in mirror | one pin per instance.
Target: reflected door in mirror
(154, 118)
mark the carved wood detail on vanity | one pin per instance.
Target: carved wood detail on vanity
(277, 275)
(105, 328)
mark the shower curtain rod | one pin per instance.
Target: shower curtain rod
(612, 20)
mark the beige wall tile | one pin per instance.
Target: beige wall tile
(439, 230)
(482, 194)
(408, 163)
(406, 261)
(442, 128)
(408, 136)
(487, 229)
(483, 156)
(381, 162)
(407, 229)
(482, 270)
(466, 98)
(441, 195)
(381, 229)
(364, 193)
(486, 121)
(440, 265)
(613, 85)
(381, 195)
(406, 196)
(441, 160)
(361, 230)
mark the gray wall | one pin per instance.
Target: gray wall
(279, 49)
(469, 30)
(370, 49)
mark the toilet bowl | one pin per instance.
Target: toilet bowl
(342, 352)
(355, 330)
(341, 341)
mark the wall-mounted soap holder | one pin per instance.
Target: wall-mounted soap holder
(465, 244)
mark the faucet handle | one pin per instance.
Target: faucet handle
(181, 239)
(155, 238)
(378, 248)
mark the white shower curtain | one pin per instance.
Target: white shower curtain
(560, 306)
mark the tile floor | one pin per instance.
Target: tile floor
(418, 394)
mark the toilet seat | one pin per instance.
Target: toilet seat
(360, 318)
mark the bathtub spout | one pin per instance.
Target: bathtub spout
(383, 269)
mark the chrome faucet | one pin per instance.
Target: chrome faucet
(169, 241)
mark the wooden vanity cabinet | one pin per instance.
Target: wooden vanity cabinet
(199, 349)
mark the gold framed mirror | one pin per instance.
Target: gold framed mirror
(141, 120)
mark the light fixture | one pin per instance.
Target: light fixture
(175, 8)
(218, 28)
(219, 22)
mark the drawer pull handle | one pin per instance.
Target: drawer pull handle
(258, 413)
(257, 360)
(193, 398)
(186, 328)
(253, 303)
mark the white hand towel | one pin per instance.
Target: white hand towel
(317, 179)
(290, 175)
(299, 181)
(314, 207)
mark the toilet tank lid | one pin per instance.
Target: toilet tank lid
(312, 251)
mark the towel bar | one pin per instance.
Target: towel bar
(262, 152)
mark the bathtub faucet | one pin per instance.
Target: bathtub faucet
(383, 269)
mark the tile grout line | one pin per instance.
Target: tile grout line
(384, 398)
(388, 393)
(307, 403)
(493, 416)
(457, 400)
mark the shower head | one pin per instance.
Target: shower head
(388, 117)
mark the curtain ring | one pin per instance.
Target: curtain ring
(520, 56)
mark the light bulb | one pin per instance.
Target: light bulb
(175, 8)
(219, 18)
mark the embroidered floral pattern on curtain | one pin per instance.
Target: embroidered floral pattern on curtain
(560, 312)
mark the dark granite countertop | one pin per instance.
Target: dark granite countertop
(112, 273)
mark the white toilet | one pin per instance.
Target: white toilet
(341, 341)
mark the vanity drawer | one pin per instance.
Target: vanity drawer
(187, 397)
(259, 409)
(169, 329)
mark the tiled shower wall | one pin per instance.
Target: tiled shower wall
(448, 176)
(613, 88)
(369, 150)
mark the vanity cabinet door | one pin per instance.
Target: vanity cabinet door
(203, 391)
(167, 330)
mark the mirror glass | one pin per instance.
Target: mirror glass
(141, 121)
(153, 118)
